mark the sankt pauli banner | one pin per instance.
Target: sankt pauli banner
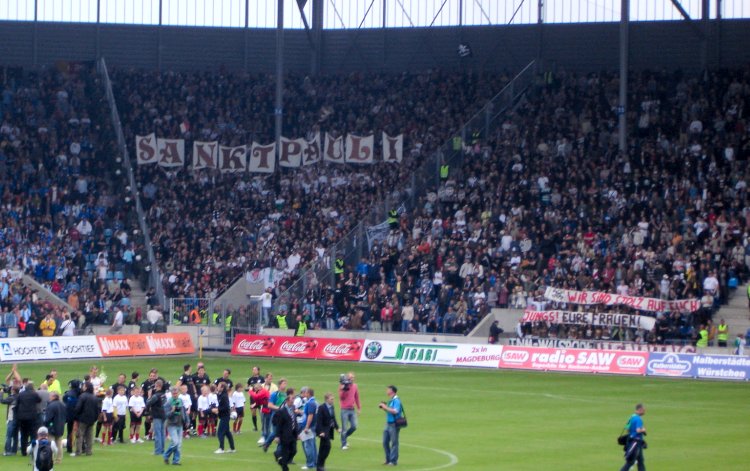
(261, 158)
(591, 318)
(636, 302)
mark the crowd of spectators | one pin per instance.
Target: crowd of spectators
(548, 200)
(209, 228)
(64, 220)
(544, 199)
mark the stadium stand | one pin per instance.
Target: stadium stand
(208, 229)
(64, 221)
(544, 200)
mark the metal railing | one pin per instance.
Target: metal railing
(424, 179)
(152, 267)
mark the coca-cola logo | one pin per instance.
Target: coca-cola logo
(250, 345)
(296, 347)
(340, 349)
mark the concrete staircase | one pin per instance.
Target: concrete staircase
(137, 295)
(735, 313)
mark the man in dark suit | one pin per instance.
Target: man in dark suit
(55, 420)
(26, 414)
(285, 422)
(325, 424)
(86, 412)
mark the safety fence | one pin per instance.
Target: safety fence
(618, 362)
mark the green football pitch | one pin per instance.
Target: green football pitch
(463, 419)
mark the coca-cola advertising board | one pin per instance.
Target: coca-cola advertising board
(297, 347)
(578, 361)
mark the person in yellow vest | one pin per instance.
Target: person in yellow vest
(215, 318)
(392, 219)
(301, 327)
(702, 337)
(338, 269)
(53, 384)
(48, 325)
(228, 328)
(723, 334)
(204, 316)
(281, 320)
(444, 172)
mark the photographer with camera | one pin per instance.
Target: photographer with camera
(393, 411)
(635, 443)
(350, 407)
(8, 396)
(175, 422)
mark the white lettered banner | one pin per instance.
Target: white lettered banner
(636, 302)
(334, 149)
(291, 152)
(259, 158)
(360, 149)
(205, 154)
(590, 318)
(262, 158)
(145, 149)
(393, 148)
(171, 152)
(311, 154)
(232, 159)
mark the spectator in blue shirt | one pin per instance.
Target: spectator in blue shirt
(635, 445)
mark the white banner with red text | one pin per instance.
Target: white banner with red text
(636, 302)
(599, 345)
(591, 318)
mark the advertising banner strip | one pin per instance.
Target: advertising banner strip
(48, 348)
(608, 299)
(430, 353)
(145, 344)
(297, 347)
(591, 318)
(724, 367)
(599, 345)
(578, 361)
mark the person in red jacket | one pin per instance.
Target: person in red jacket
(259, 400)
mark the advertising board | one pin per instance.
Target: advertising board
(699, 366)
(579, 361)
(297, 347)
(48, 348)
(145, 344)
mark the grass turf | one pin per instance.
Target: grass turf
(464, 419)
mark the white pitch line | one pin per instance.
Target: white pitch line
(453, 458)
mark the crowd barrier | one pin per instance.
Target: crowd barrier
(618, 362)
(94, 346)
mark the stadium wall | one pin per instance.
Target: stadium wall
(580, 47)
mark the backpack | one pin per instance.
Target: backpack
(43, 456)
